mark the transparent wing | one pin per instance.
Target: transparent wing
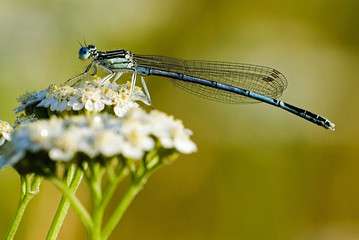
(263, 80)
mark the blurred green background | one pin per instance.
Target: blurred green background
(260, 172)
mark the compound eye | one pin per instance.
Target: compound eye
(84, 53)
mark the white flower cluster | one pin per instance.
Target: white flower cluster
(5, 132)
(98, 135)
(88, 96)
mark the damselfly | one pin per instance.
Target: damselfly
(220, 81)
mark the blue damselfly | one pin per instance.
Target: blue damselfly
(220, 81)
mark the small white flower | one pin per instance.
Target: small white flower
(182, 142)
(137, 139)
(5, 132)
(41, 134)
(109, 143)
(73, 139)
(171, 133)
(123, 104)
(75, 101)
(57, 98)
(139, 95)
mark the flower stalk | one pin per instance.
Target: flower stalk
(30, 185)
(73, 180)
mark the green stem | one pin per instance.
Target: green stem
(121, 208)
(100, 199)
(95, 182)
(114, 180)
(75, 175)
(130, 194)
(29, 188)
(75, 203)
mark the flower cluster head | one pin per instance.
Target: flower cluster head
(88, 97)
(111, 125)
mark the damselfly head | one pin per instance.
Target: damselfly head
(86, 52)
